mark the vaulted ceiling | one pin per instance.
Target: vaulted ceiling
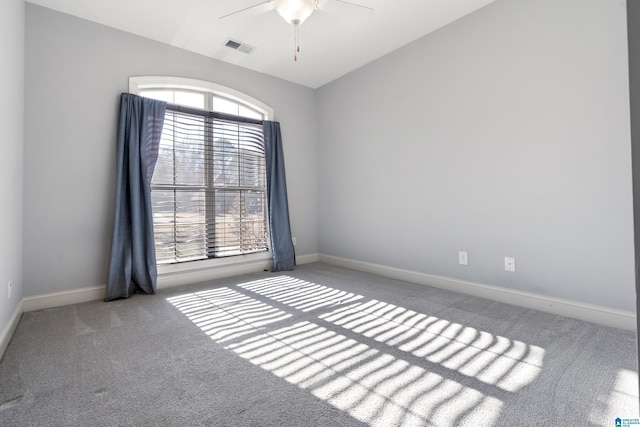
(337, 38)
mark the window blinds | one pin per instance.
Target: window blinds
(208, 188)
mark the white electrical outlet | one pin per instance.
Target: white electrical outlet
(463, 258)
(9, 289)
(509, 264)
(293, 239)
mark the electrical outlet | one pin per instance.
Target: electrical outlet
(294, 241)
(9, 289)
(509, 264)
(463, 258)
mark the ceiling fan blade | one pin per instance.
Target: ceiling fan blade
(342, 5)
(256, 9)
(370, 9)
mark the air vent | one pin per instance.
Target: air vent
(242, 47)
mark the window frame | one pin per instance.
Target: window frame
(138, 83)
(141, 83)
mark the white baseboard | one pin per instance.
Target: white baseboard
(591, 313)
(307, 259)
(75, 296)
(168, 280)
(181, 278)
(587, 312)
(10, 327)
(58, 299)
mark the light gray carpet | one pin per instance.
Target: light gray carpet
(320, 346)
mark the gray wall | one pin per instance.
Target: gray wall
(505, 133)
(11, 164)
(633, 29)
(75, 72)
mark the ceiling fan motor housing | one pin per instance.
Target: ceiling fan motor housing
(295, 12)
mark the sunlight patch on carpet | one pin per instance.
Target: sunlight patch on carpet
(381, 363)
(622, 399)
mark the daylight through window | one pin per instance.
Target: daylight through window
(208, 190)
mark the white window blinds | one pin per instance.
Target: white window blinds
(208, 188)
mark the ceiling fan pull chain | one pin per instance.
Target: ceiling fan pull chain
(296, 37)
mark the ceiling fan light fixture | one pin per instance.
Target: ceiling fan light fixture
(295, 11)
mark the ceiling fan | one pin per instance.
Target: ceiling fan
(294, 12)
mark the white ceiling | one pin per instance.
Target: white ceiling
(334, 40)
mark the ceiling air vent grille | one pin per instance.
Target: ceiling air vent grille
(242, 47)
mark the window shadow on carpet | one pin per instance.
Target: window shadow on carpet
(381, 363)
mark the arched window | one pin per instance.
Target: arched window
(209, 188)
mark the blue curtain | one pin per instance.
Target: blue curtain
(284, 257)
(132, 266)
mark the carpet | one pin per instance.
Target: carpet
(318, 346)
